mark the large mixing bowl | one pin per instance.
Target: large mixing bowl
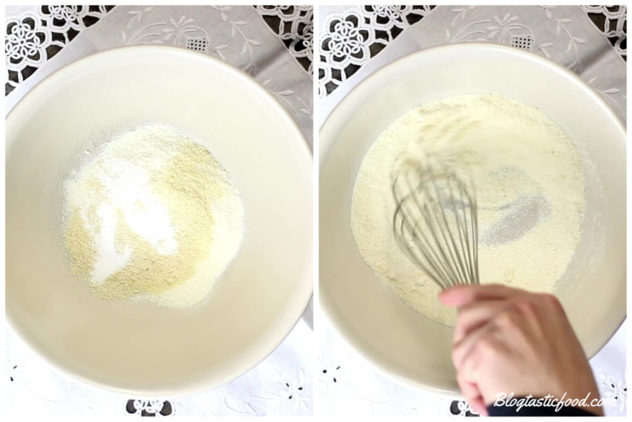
(140, 347)
(398, 340)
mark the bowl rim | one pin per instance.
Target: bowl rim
(328, 121)
(280, 328)
(390, 369)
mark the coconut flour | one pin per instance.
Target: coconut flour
(153, 216)
(529, 183)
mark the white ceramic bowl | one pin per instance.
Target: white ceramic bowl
(398, 340)
(143, 348)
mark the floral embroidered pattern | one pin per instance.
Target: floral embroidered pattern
(295, 27)
(351, 39)
(364, 31)
(69, 20)
(179, 32)
(293, 392)
(461, 408)
(614, 390)
(290, 394)
(25, 48)
(149, 407)
(611, 21)
(563, 32)
(331, 374)
(502, 30)
(347, 44)
(35, 36)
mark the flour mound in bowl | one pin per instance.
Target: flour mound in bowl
(152, 217)
(529, 182)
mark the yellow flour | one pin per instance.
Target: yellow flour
(529, 181)
(142, 216)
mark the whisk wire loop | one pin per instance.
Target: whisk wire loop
(412, 241)
(436, 223)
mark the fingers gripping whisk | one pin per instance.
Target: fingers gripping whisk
(435, 222)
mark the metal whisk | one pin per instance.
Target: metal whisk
(435, 222)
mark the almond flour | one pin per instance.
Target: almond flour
(152, 217)
(529, 182)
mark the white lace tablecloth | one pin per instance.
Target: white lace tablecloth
(274, 45)
(355, 42)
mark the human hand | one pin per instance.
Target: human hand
(508, 340)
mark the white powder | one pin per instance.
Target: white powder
(530, 189)
(126, 190)
(152, 217)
